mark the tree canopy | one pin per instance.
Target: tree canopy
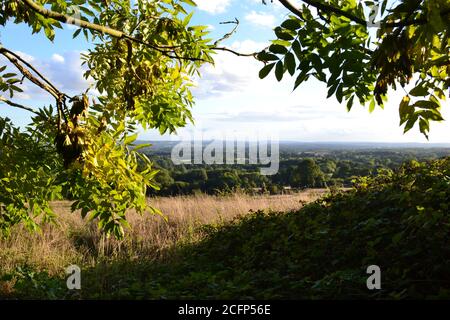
(142, 62)
(361, 49)
(143, 57)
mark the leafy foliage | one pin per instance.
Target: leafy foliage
(338, 46)
(27, 163)
(143, 58)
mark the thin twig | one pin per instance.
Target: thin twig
(16, 105)
(331, 9)
(229, 34)
(12, 58)
(29, 66)
(239, 54)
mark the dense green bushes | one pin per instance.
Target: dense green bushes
(398, 221)
(299, 168)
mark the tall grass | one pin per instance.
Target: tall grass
(76, 241)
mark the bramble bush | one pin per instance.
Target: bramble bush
(398, 220)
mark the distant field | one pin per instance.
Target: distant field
(74, 241)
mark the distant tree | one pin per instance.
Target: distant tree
(329, 166)
(164, 179)
(361, 49)
(308, 174)
(199, 175)
(344, 170)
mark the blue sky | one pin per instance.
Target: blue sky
(230, 96)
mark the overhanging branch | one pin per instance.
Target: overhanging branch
(38, 80)
(166, 51)
(327, 8)
(10, 55)
(324, 7)
(239, 54)
(16, 105)
(15, 60)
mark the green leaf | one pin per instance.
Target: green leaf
(426, 104)
(278, 49)
(350, 103)
(291, 24)
(189, 2)
(266, 56)
(76, 33)
(289, 61)
(300, 79)
(405, 109)
(411, 122)
(296, 47)
(279, 70)
(424, 126)
(283, 35)
(49, 33)
(372, 105)
(266, 70)
(419, 91)
(339, 93)
(130, 139)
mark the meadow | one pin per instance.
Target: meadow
(310, 245)
(73, 240)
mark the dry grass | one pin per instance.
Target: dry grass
(75, 241)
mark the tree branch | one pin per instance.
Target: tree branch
(103, 30)
(15, 55)
(70, 20)
(168, 51)
(16, 105)
(45, 84)
(14, 59)
(331, 9)
(229, 34)
(237, 53)
(325, 8)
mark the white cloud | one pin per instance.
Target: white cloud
(58, 58)
(275, 4)
(28, 58)
(213, 6)
(230, 95)
(230, 74)
(261, 19)
(64, 70)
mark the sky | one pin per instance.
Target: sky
(229, 96)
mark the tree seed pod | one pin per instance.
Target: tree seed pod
(79, 106)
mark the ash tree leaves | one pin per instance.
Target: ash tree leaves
(26, 165)
(143, 57)
(359, 63)
(316, 50)
(9, 82)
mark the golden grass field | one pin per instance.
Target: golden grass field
(76, 241)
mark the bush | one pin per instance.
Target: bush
(397, 220)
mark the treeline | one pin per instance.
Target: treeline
(298, 170)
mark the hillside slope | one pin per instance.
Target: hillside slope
(398, 221)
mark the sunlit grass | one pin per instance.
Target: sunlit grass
(76, 241)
